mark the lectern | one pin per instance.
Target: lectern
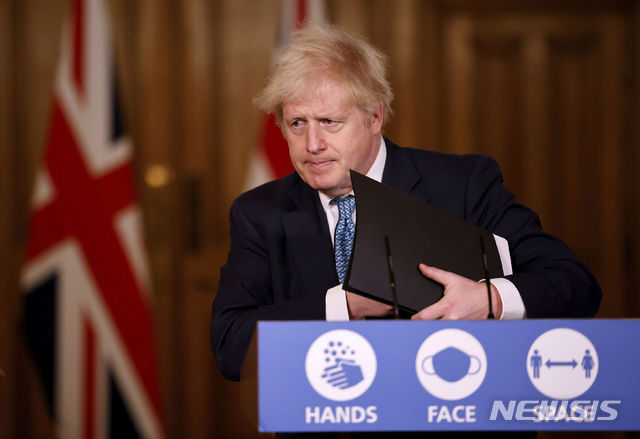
(444, 375)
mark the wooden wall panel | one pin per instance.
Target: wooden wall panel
(497, 102)
(427, 110)
(354, 15)
(249, 33)
(7, 296)
(37, 38)
(406, 31)
(610, 255)
(457, 84)
(548, 90)
(154, 128)
(28, 95)
(632, 162)
(401, 43)
(200, 206)
(535, 154)
(249, 38)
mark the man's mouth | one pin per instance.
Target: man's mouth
(319, 164)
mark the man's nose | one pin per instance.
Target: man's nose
(315, 141)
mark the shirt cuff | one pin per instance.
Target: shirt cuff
(336, 304)
(512, 304)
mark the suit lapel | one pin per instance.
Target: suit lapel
(308, 239)
(400, 173)
(306, 226)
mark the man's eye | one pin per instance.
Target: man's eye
(329, 122)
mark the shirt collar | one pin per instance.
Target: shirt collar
(374, 172)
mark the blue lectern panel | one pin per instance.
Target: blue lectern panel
(405, 375)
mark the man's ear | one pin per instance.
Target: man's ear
(377, 118)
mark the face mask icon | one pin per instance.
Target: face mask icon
(451, 364)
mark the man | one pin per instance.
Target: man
(331, 98)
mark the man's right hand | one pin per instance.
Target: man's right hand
(361, 307)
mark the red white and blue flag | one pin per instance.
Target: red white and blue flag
(87, 305)
(271, 159)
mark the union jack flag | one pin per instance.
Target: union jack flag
(87, 311)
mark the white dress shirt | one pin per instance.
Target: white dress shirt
(336, 298)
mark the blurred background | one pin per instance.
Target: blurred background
(548, 88)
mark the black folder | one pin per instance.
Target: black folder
(418, 232)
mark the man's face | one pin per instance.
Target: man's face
(328, 135)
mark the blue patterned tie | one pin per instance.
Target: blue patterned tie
(343, 240)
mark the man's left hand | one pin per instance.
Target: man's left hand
(464, 299)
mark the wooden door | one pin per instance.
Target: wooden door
(542, 92)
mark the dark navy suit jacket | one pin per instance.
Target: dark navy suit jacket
(281, 260)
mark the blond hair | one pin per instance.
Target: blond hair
(324, 49)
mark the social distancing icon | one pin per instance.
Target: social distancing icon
(562, 363)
